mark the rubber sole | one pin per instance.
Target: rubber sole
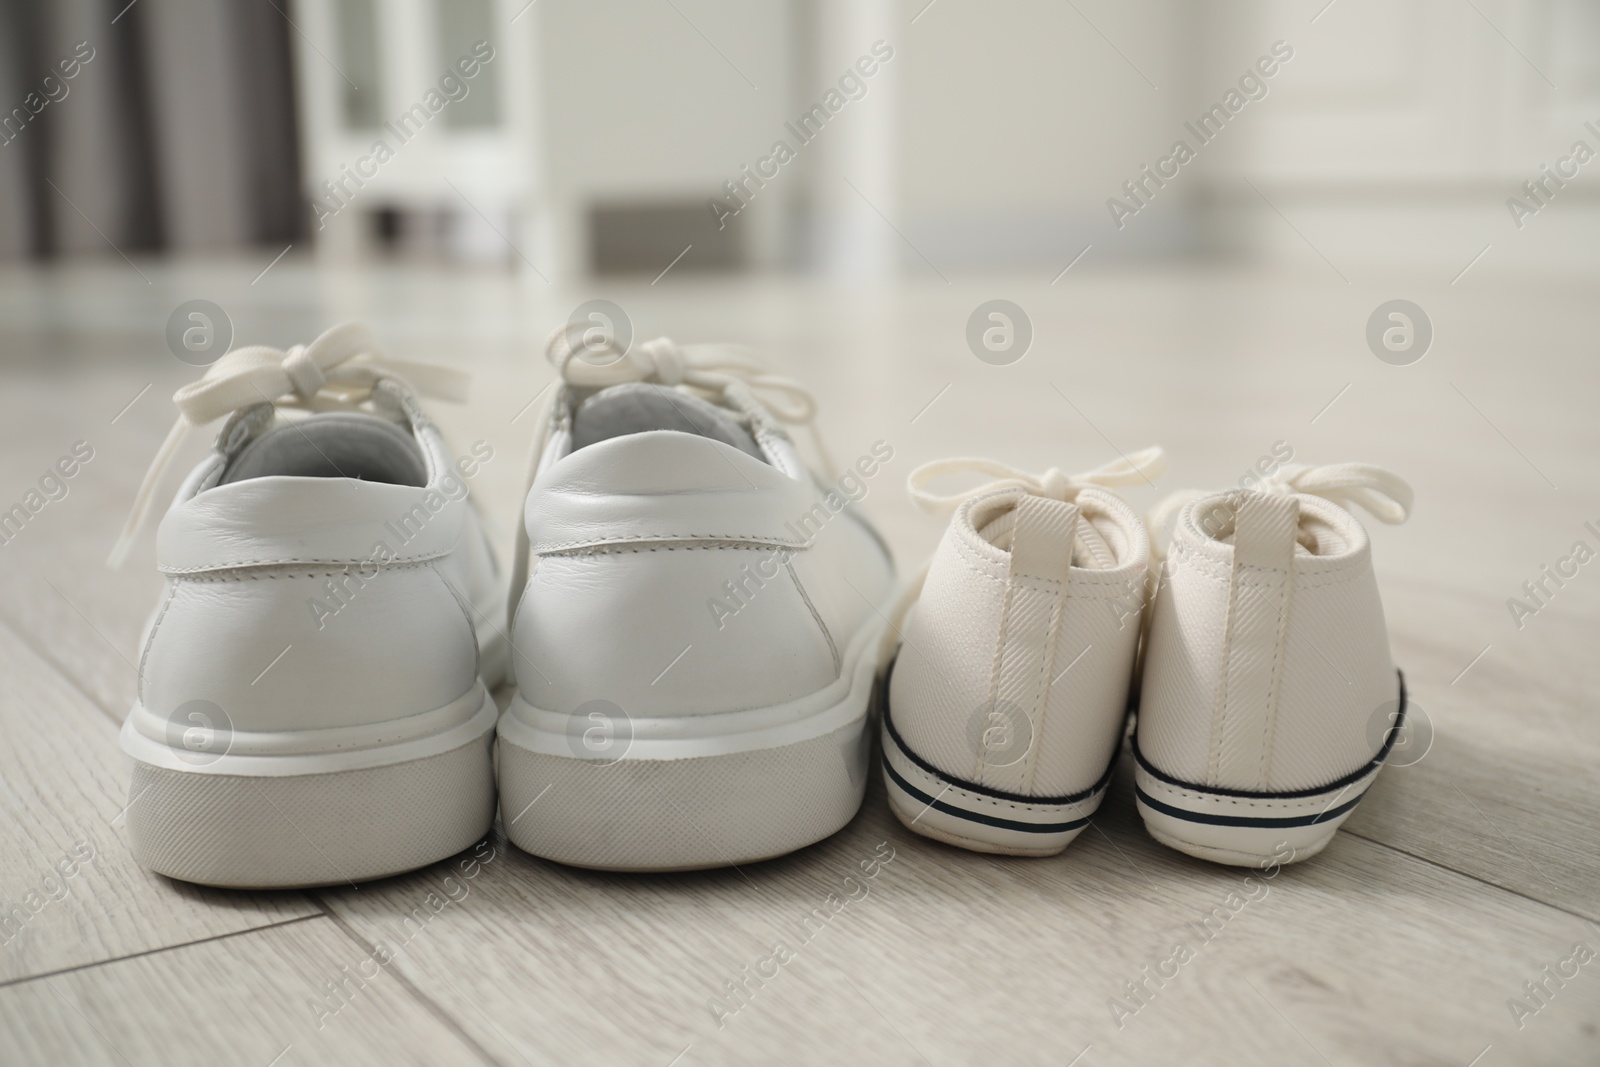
(1242, 828)
(936, 805)
(274, 830)
(1243, 831)
(729, 797)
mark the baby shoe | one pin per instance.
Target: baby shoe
(1269, 698)
(1008, 696)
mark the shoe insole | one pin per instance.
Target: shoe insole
(333, 445)
(637, 407)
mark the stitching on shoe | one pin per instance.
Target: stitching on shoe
(186, 572)
(994, 802)
(755, 538)
(615, 550)
(155, 627)
(211, 577)
(1152, 785)
(975, 563)
(1047, 663)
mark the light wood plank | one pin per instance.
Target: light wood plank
(258, 998)
(957, 957)
(1508, 790)
(71, 891)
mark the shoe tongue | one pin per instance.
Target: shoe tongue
(1090, 550)
(1314, 534)
(638, 407)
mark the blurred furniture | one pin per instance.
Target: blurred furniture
(1400, 129)
(404, 151)
(175, 131)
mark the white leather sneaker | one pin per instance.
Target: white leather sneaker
(1269, 698)
(312, 703)
(1008, 697)
(696, 642)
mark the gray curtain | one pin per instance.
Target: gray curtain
(176, 132)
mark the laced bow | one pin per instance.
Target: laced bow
(1144, 466)
(715, 368)
(592, 361)
(1385, 495)
(337, 371)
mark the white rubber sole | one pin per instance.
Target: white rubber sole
(690, 794)
(1242, 828)
(931, 803)
(315, 807)
(1245, 829)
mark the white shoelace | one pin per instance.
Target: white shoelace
(1143, 466)
(1385, 495)
(723, 371)
(336, 372)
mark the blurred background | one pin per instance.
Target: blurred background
(601, 137)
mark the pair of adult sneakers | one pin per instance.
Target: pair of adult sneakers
(698, 624)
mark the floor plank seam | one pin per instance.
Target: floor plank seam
(25, 979)
(1474, 877)
(445, 1018)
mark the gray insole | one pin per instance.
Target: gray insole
(636, 407)
(333, 445)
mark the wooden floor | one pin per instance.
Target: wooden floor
(1409, 941)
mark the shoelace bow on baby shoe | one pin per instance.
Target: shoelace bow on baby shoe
(589, 361)
(335, 372)
(1144, 466)
(1385, 495)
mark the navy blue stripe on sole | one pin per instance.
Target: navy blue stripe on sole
(977, 817)
(1246, 820)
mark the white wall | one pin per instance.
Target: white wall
(1020, 119)
(639, 105)
(1401, 127)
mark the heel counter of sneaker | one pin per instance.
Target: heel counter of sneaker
(669, 629)
(277, 649)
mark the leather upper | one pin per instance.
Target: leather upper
(663, 485)
(278, 521)
(677, 575)
(295, 603)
